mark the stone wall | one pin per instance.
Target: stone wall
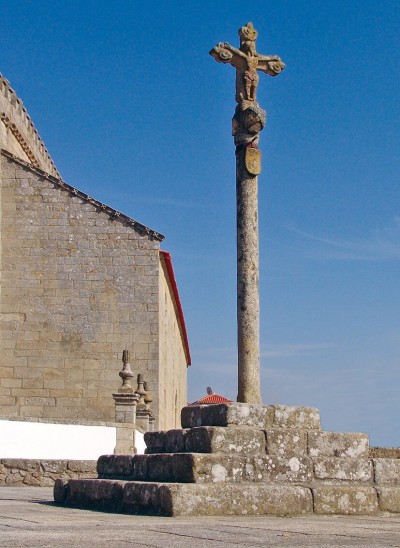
(78, 285)
(43, 473)
(17, 132)
(173, 369)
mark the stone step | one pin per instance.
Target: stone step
(171, 499)
(389, 499)
(222, 468)
(314, 443)
(286, 441)
(343, 469)
(253, 440)
(106, 495)
(205, 468)
(255, 415)
(334, 444)
(207, 439)
(387, 471)
(347, 500)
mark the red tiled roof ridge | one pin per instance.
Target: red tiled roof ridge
(212, 398)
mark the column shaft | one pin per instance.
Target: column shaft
(248, 307)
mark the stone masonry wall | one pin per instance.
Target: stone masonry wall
(78, 286)
(173, 369)
(43, 473)
(17, 132)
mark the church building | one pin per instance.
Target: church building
(79, 283)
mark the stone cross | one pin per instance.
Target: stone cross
(249, 119)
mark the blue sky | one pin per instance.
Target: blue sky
(136, 113)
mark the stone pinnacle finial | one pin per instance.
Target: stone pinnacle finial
(144, 417)
(126, 373)
(140, 390)
(147, 397)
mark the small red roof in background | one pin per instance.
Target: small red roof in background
(212, 398)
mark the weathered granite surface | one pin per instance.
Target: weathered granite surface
(175, 499)
(387, 471)
(389, 499)
(348, 500)
(333, 444)
(257, 415)
(206, 439)
(384, 452)
(267, 460)
(343, 468)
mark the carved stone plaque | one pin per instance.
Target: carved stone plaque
(252, 160)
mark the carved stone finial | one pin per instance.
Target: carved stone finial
(144, 417)
(125, 399)
(147, 397)
(126, 373)
(140, 390)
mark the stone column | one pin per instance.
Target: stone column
(249, 119)
(247, 283)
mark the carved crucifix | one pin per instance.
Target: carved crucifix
(248, 120)
(247, 61)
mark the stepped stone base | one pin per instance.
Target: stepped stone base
(176, 499)
(246, 498)
(239, 459)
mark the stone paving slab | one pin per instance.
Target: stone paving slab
(28, 518)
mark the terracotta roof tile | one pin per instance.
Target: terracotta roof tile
(212, 398)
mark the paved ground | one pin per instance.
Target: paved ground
(29, 518)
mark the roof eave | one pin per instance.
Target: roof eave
(117, 215)
(170, 271)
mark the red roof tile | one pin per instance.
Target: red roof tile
(212, 398)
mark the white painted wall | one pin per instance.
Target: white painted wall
(140, 446)
(39, 440)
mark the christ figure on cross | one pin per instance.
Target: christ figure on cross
(247, 61)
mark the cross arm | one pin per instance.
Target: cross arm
(270, 64)
(225, 53)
